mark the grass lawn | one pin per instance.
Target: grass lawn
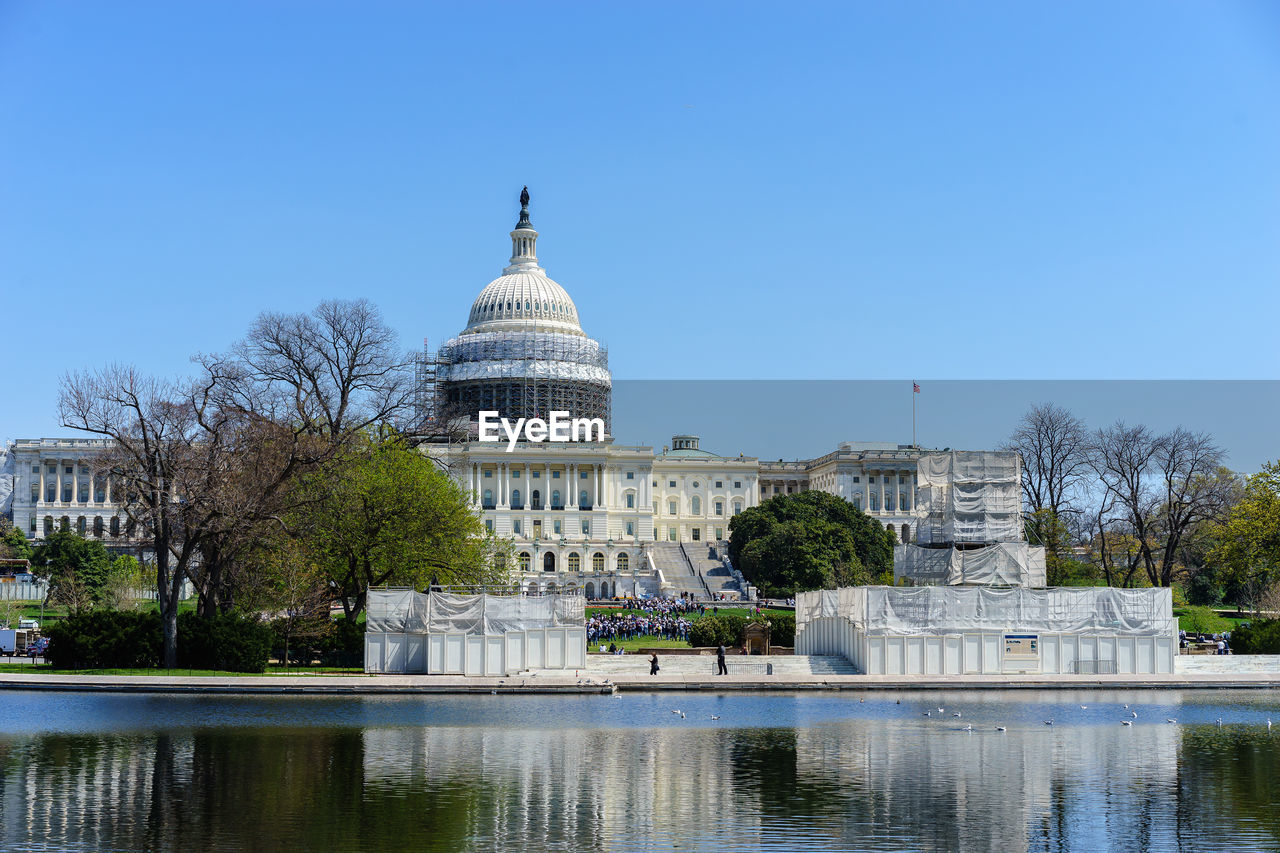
(56, 613)
(1229, 623)
(47, 669)
(630, 646)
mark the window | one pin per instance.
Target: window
(66, 493)
(556, 525)
(582, 475)
(857, 479)
(70, 469)
(886, 478)
(487, 500)
(719, 484)
(115, 526)
(671, 507)
(904, 502)
(556, 503)
(515, 526)
(586, 527)
(737, 484)
(655, 507)
(524, 561)
(875, 502)
(555, 475)
(719, 508)
(671, 534)
(902, 481)
(84, 470)
(515, 499)
(488, 524)
(597, 562)
(84, 493)
(488, 473)
(857, 502)
(48, 525)
(696, 505)
(671, 484)
(33, 524)
(631, 528)
(537, 475)
(695, 484)
(719, 532)
(631, 475)
(737, 507)
(515, 475)
(583, 501)
(631, 500)
(35, 493)
(906, 534)
(697, 534)
(575, 562)
(623, 561)
(888, 502)
(35, 469)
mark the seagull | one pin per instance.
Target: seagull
(862, 700)
(1135, 714)
(713, 717)
(1001, 728)
(682, 715)
(956, 714)
(940, 710)
(1219, 722)
(675, 711)
(928, 713)
(1084, 707)
(968, 728)
(1171, 720)
(1126, 722)
(1126, 707)
(1268, 725)
(1048, 722)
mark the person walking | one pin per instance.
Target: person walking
(653, 664)
(721, 669)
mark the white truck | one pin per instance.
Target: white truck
(13, 641)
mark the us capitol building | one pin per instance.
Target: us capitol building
(606, 518)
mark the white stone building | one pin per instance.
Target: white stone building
(58, 486)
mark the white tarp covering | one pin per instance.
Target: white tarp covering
(409, 612)
(1002, 564)
(969, 497)
(954, 610)
(8, 470)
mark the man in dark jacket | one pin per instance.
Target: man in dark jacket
(721, 669)
(653, 664)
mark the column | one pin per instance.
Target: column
(502, 485)
(598, 471)
(40, 460)
(528, 488)
(75, 482)
(108, 489)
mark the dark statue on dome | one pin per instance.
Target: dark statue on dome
(524, 197)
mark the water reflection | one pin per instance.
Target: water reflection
(841, 776)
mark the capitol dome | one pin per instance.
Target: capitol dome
(523, 300)
(523, 352)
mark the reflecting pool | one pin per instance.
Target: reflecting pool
(702, 771)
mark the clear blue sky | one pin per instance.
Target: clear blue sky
(750, 191)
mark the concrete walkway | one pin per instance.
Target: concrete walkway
(594, 682)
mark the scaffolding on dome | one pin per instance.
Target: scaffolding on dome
(520, 374)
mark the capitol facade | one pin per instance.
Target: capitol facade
(604, 518)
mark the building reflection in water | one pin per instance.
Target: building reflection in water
(864, 784)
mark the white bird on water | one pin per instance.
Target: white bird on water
(928, 713)
(1135, 714)
(1001, 728)
(1126, 707)
(1171, 720)
(956, 714)
(1048, 722)
(713, 717)
(1126, 722)
(968, 728)
(1268, 725)
(1084, 707)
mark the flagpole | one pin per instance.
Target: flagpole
(913, 413)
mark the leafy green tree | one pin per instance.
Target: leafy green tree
(13, 543)
(125, 578)
(1248, 540)
(75, 567)
(810, 540)
(386, 514)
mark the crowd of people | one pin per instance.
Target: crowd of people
(628, 626)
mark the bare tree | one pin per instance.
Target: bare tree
(1160, 487)
(160, 457)
(1053, 444)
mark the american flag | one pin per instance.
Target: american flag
(915, 387)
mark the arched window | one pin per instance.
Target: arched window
(556, 503)
(857, 502)
(533, 588)
(737, 507)
(597, 562)
(488, 499)
(875, 502)
(551, 587)
(631, 500)
(524, 561)
(48, 525)
(591, 590)
(582, 498)
(65, 524)
(696, 505)
(115, 525)
(906, 534)
(537, 499)
(97, 527)
(515, 499)
(575, 562)
(82, 525)
(671, 507)
(623, 561)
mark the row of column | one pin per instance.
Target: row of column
(75, 485)
(603, 491)
(896, 489)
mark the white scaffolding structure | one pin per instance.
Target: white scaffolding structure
(450, 634)
(950, 630)
(970, 523)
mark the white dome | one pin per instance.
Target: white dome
(523, 301)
